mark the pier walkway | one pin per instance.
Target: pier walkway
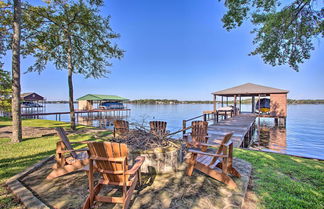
(242, 126)
(115, 112)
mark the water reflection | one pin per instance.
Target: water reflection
(272, 137)
(100, 121)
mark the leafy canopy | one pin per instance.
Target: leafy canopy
(52, 26)
(285, 34)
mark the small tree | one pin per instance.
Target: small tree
(285, 30)
(5, 91)
(73, 36)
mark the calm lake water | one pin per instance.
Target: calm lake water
(303, 135)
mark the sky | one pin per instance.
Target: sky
(178, 49)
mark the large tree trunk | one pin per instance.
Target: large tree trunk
(16, 111)
(70, 73)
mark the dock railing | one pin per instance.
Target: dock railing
(206, 116)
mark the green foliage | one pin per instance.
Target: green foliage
(51, 27)
(284, 34)
(5, 90)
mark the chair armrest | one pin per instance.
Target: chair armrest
(81, 142)
(204, 144)
(139, 161)
(113, 159)
(208, 152)
(228, 143)
(68, 151)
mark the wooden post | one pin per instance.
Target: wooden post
(217, 116)
(184, 124)
(227, 101)
(234, 104)
(214, 103)
(253, 104)
(240, 104)
(205, 117)
(222, 101)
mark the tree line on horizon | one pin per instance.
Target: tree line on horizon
(245, 101)
(175, 101)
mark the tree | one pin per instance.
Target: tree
(73, 36)
(12, 17)
(284, 33)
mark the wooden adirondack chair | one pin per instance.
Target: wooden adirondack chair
(67, 159)
(216, 163)
(158, 128)
(199, 133)
(120, 127)
(111, 163)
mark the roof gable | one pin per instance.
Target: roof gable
(250, 88)
(31, 96)
(98, 97)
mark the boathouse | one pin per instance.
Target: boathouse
(32, 100)
(96, 101)
(278, 98)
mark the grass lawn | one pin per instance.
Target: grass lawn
(282, 181)
(279, 181)
(14, 158)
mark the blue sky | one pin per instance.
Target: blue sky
(179, 50)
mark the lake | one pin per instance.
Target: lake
(303, 135)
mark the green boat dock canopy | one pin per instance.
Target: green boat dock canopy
(100, 97)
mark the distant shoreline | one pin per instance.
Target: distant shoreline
(168, 101)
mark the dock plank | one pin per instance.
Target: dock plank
(239, 125)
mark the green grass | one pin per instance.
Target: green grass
(279, 181)
(14, 158)
(282, 181)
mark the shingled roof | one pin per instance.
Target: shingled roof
(100, 97)
(250, 89)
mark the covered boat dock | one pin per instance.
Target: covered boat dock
(278, 100)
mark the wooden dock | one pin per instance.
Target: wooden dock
(114, 112)
(242, 126)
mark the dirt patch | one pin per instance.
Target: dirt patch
(34, 132)
(174, 190)
(28, 132)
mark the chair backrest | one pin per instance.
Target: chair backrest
(121, 126)
(60, 131)
(226, 139)
(199, 131)
(110, 150)
(158, 127)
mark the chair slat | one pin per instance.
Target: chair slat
(158, 127)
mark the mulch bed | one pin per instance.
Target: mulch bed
(175, 190)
